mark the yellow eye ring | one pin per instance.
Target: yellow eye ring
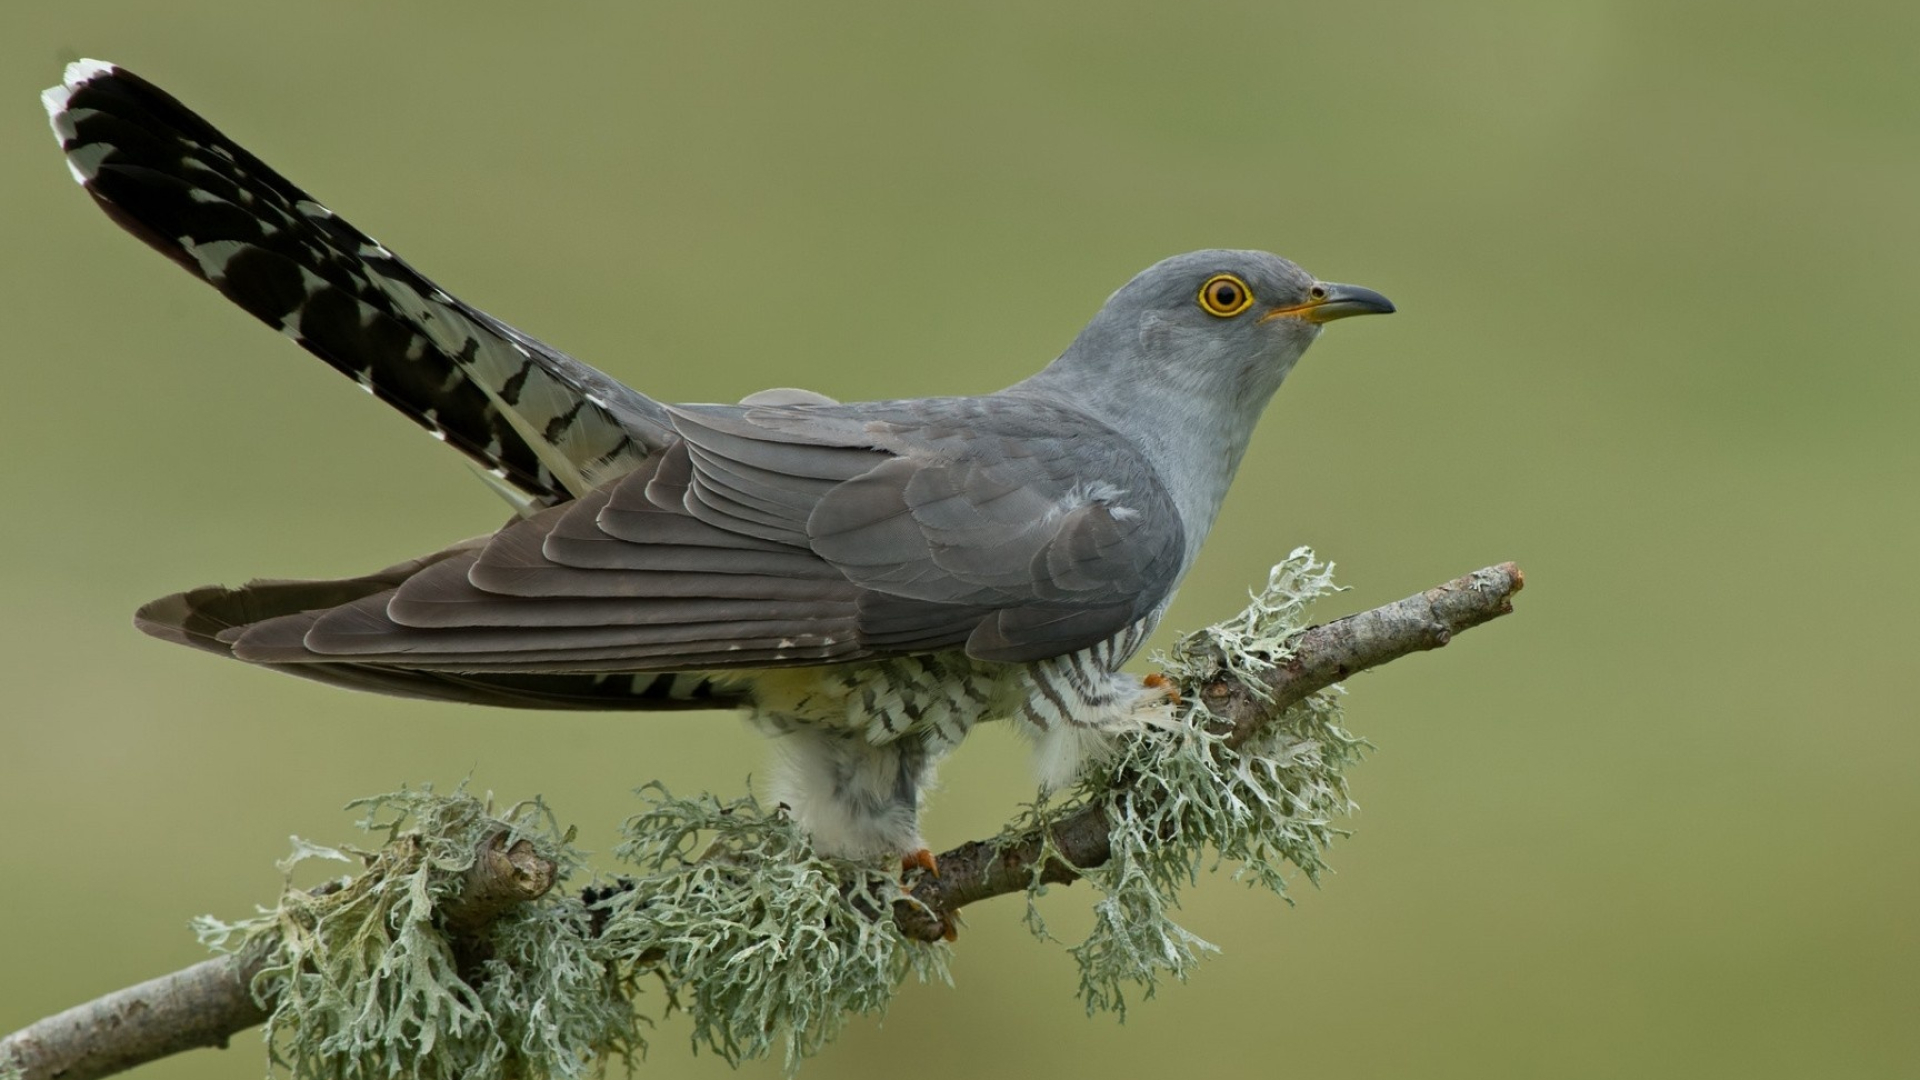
(1225, 295)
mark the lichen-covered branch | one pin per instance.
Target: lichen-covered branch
(211, 1001)
(1319, 657)
(442, 935)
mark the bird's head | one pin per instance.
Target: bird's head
(1183, 359)
(1219, 323)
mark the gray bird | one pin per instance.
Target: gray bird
(867, 581)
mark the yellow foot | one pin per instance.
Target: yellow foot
(924, 860)
(1162, 684)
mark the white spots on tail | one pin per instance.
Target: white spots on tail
(82, 161)
(587, 446)
(81, 72)
(54, 100)
(65, 121)
(310, 282)
(213, 255)
(78, 74)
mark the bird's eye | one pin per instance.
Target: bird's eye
(1317, 292)
(1225, 295)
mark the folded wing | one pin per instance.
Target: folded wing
(768, 537)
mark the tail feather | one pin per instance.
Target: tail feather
(527, 413)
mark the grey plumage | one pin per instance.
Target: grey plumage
(869, 579)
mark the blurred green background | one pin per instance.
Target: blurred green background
(1653, 263)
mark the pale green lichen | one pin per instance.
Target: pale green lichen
(363, 984)
(760, 939)
(1179, 798)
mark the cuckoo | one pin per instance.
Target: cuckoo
(867, 581)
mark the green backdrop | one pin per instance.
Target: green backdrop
(1652, 262)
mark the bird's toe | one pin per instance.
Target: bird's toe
(920, 859)
(1159, 684)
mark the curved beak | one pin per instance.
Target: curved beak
(1339, 302)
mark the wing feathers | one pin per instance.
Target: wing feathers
(441, 596)
(908, 554)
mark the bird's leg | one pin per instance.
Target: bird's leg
(855, 799)
(920, 860)
(1075, 708)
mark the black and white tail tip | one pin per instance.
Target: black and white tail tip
(547, 426)
(82, 160)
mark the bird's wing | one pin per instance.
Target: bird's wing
(545, 423)
(1039, 528)
(775, 536)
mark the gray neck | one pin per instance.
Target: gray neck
(1193, 443)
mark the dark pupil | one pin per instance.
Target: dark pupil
(1225, 295)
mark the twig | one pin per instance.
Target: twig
(205, 1004)
(1322, 656)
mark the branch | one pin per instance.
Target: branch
(205, 1004)
(1322, 656)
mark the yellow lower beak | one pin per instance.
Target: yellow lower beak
(1336, 302)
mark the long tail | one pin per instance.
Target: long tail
(537, 419)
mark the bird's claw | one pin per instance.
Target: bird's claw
(921, 859)
(1160, 684)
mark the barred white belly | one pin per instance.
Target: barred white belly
(857, 744)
